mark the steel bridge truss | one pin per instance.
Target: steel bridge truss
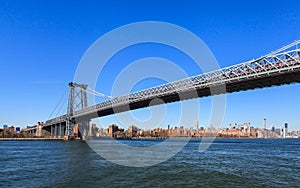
(278, 62)
(283, 61)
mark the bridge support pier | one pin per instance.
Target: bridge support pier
(51, 129)
(56, 130)
(83, 128)
(60, 132)
(69, 129)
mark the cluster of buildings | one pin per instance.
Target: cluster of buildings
(9, 131)
(233, 131)
(133, 132)
(28, 132)
(245, 130)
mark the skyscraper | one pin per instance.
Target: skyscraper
(285, 130)
(196, 124)
(265, 128)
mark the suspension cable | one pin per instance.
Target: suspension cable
(60, 100)
(284, 48)
(61, 107)
(96, 93)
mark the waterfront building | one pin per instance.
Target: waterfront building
(196, 124)
(285, 130)
(93, 130)
(294, 134)
(8, 131)
(132, 131)
(278, 131)
(112, 129)
(273, 128)
(101, 132)
(18, 129)
(260, 133)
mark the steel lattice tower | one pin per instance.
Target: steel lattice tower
(77, 100)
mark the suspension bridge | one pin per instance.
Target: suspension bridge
(277, 68)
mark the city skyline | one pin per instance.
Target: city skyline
(40, 53)
(244, 130)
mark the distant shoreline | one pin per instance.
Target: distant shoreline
(107, 138)
(28, 139)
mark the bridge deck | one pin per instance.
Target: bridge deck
(271, 70)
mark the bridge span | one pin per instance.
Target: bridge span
(277, 68)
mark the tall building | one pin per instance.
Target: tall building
(281, 131)
(278, 131)
(93, 129)
(285, 130)
(265, 128)
(249, 129)
(196, 124)
(112, 129)
(132, 131)
(273, 128)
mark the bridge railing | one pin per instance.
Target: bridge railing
(265, 65)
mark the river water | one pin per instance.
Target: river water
(227, 163)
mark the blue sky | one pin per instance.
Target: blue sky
(42, 42)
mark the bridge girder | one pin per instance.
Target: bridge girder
(277, 68)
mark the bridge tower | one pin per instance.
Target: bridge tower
(77, 100)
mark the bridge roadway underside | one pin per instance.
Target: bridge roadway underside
(234, 86)
(56, 130)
